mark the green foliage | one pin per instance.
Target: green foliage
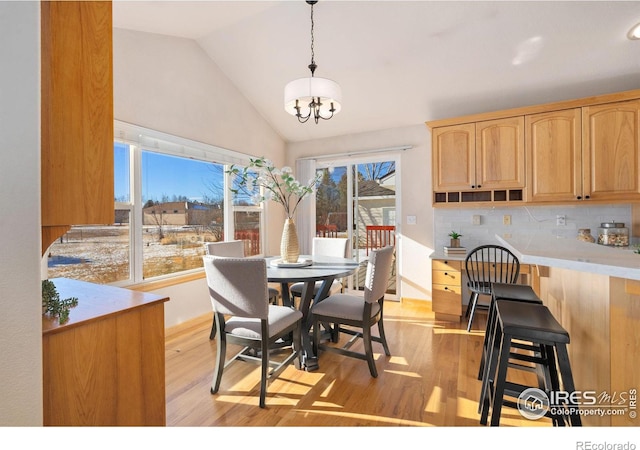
(278, 185)
(53, 305)
(455, 235)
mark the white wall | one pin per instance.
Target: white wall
(415, 241)
(171, 85)
(20, 291)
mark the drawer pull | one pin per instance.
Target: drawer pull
(446, 288)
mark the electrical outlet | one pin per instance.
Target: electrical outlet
(561, 220)
(475, 219)
(506, 219)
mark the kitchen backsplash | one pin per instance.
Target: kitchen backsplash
(525, 220)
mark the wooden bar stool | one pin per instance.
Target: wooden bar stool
(534, 323)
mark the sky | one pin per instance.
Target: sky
(169, 176)
(164, 175)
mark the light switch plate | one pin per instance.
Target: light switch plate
(411, 220)
(475, 219)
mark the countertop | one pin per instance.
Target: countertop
(567, 253)
(95, 301)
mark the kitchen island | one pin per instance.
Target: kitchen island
(105, 365)
(594, 292)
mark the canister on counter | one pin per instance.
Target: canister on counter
(584, 234)
(613, 234)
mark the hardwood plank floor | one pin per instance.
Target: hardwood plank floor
(430, 380)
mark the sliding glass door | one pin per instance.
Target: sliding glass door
(357, 199)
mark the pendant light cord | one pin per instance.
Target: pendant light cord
(312, 66)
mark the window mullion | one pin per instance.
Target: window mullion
(136, 214)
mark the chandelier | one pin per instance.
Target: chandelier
(313, 96)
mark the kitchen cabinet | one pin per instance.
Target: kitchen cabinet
(584, 154)
(574, 151)
(446, 289)
(554, 156)
(105, 366)
(454, 155)
(611, 143)
(481, 161)
(76, 116)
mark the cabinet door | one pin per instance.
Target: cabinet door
(554, 156)
(453, 157)
(611, 145)
(500, 153)
(77, 113)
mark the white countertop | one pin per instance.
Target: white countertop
(567, 253)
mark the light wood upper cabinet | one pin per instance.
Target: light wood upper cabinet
(573, 151)
(584, 154)
(500, 153)
(483, 155)
(77, 115)
(454, 157)
(611, 146)
(554, 156)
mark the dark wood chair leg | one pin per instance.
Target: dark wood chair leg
(500, 380)
(220, 361)
(212, 335)
(368, 349)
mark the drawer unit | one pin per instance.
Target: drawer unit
(446, 299)
(446, 289)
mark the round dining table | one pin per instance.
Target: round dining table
(309, 270)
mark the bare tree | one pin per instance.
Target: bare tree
(375, 171)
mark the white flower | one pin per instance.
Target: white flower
(278, 185)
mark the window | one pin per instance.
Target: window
(170, 199)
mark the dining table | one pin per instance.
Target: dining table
(309, 269)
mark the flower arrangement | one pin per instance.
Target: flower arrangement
(279, 184)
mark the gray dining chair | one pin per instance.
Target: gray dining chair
(234, 249)
(357, 313)
(338, 247)
(239, 295)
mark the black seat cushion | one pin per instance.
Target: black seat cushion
(508, 291)
(530, 321)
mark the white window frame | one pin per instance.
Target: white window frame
(142, 139)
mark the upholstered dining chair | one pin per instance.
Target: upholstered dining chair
(357, 313)
(338, 247)
(234, 249)
(239, 295)
(485, 265)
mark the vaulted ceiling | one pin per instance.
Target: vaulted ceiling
(401, 63)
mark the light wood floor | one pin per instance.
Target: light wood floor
(430, 380)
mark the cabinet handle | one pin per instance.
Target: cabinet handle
(473, 186)
(479, 186)
(579, 197)
(587, 197)
(446, 288)
(446, 274)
